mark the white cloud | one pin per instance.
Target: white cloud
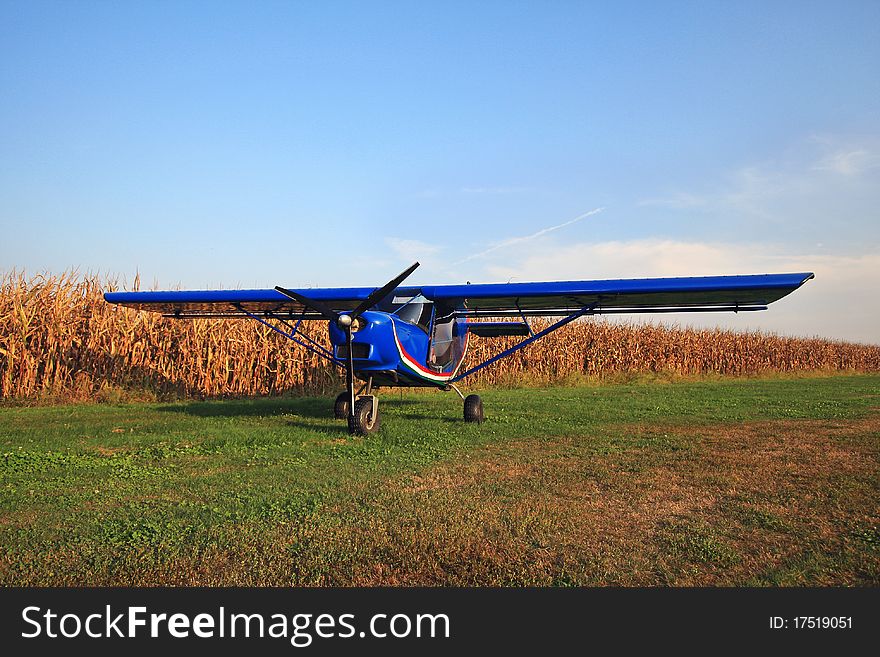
(411, 249)
(821, 185)
(527, 238)
(849, 162)
(627, 259)
(813, 208)
(840, 303)
(824, 193)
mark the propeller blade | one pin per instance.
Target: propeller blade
(377, 295)
(328, 313)
(318, 307)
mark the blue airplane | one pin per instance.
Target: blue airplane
(417, 336)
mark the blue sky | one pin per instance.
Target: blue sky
(254, 144)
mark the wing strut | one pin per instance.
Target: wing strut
(586, 310)
(314, 348)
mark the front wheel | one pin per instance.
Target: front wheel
(473, 409)
(363, 421)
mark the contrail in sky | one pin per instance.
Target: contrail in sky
(517, 240)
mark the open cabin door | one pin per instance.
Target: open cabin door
(447, 341)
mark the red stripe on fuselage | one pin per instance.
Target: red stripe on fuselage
(412, 362)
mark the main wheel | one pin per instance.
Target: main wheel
(340, 406)
(362, 421)
(473, 409)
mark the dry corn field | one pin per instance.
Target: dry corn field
(60, 340)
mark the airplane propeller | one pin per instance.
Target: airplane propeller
(345, 320)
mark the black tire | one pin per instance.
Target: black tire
(340, 406)
(362, 421)
(473, 409)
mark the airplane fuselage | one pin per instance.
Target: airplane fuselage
(396, 352)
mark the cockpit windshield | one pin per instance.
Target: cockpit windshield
(415, 310)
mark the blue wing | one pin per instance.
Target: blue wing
(235, 303)
(495, 299)
(707, 293)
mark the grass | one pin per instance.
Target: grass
(722, 482)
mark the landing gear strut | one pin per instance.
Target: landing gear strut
(365, 418)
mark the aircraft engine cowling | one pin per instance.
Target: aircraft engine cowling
(372, 341)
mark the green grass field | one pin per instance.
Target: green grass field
(730, 482)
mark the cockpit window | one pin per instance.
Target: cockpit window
(415, 310)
